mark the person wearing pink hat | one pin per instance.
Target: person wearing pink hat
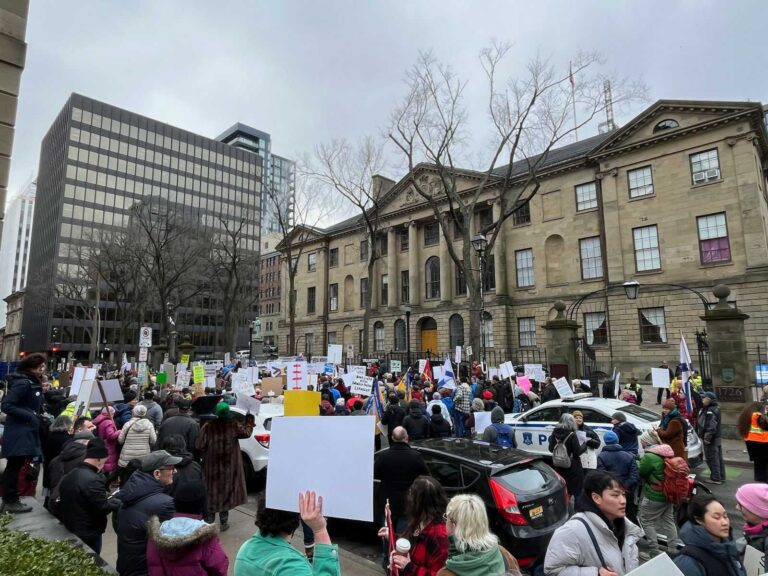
(752, 502)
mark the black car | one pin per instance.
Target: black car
(525, 498)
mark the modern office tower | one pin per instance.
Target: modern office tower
(279, 190)
(103, 169)
(14, 249)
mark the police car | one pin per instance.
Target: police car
(533, 428)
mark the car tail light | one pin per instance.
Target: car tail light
(263, 439)
(506, 502)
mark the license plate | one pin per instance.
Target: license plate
(536, 512)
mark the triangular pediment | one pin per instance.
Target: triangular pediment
(300, 235)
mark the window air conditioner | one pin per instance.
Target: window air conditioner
(699, 177)
(713, 174)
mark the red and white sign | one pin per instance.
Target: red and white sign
(145, 337)
(296, 373)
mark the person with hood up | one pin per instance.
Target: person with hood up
(137, 438)
(143, 496)
(598, 539)
(499, 433)
(416, 424)
(708, 427)
(709, 548)
(656, 514)
(672, 428)
(185, 544)
(439, 427)
(622, 464)
(752, 503)
(473, 550)
(592, 440)
(437, 401)
(107, 431)
(154, 411)
(626, 431)
(565, 433)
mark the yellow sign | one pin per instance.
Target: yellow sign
(302, 403)
(198, 374)
(185, 359)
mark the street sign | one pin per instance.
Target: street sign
(145, 337)
(143, 353)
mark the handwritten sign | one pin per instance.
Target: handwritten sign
(241, 383)
(362, 386)
(563, 388)
(395, 365)
(198, 374)
(534, 372)
(297, 375)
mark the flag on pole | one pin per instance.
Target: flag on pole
(447, 380)
(427, 373)
(686, 367)
(391, 536)
(408, 383)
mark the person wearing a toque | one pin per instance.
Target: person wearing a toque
(673, 428)
(154, 411)
(143, 496)
(84, 504)
(218, 445)
(626, 431)
(708, 427)
(107, 431)
(186, 544)
(622, 464)
(123, 410)
(499, 433)
(340, 408)
(137, 438)
(182, 424)
(752, 503)
(656, 514)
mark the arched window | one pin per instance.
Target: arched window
(378, 336)
(349, 293)
(400, 337)
(487, 331)
(432, 277)
(666, 125)
(456, 329)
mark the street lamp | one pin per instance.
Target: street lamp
(631, 289)
(408, 336)
(480, 244)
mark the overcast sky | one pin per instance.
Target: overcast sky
(309, 71)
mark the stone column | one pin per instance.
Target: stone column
(727, 341)
(446, 266)
(499, 253)
(561, 352)
(414, 265)
(392, 272)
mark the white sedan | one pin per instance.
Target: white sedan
(255, 450)
(533, 428)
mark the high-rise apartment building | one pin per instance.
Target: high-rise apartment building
(101, 168)
(279, 189)
(14, 248)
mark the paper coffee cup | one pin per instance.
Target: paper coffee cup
(402, 546)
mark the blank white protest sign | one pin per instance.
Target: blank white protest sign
(296, 465)
(660, 377)
(661, 564)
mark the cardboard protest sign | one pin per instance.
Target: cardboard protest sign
(81, 374)
(275, 369)
(422, 365)
(534, 372)
(296, 465)
(241, 383)
(184, 359)
(247, 403)
(395, 366)
(161, 378)
(169, 370)
(112, 390)
(334, 353)
(270, 384)
(503, 370)
(492, 372)
(457, 355)
(661, 564)
(198, 374)
(753, 561)
(660, 377)
(315, 368)
(301, 403)
(437, 372)
(563, 388)
(362, 386)
(253, 375)
(348, 379)
(353, 369)
(84, 395)
(525, 383)
(210, 382)
(482, 421)
(297, 375)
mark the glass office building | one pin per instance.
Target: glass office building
(97, 162)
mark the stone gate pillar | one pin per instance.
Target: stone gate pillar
(561, 352)
(728, 358)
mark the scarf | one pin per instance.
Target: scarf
(674, 413)
(755, 530)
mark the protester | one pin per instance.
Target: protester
(621, 464)
(462, 405)
(709, 548)
(154, 411)
(437, 401)
(469, 424)
(72, 454)
(143, 496)
(357, 408)
(752, 502)
(219, 447)
(564, 440)
(124, 409)
(137, 438)
(84, 505)
(499, 433)
(598, 537)
(473, 549)
(340, 409)
(182, 424)
(626, 431)
(188, 470)
(393, 415)
(708, 427)
(108, 432)
(635, 387)
(425, 530)
(671, 377)
(549, 392)
(439, 427)
(269, 551)
(416, 424)
(58, 435)
(21, 435)
(753, 427)
(672, 429)
(185, 544)
(656, 513)
(592, 440)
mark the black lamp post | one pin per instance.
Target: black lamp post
(408, 336)
(480, 244)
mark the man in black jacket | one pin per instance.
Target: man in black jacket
(393, 416)
(84, 505)
(183, 424)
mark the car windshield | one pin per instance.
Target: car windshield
(642, 413)
(526, 479)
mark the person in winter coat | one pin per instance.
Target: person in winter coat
(601, 513)
(439, 427)
(549, 392)
(565, 433)
(137, 437)
(709, 548)
(672, 428)
(21, 435)
(154, 411)
(219, 447)
(58, 435)
(72, 454)
(143, 496)
(124, 409)
(469, 423)
(708, 427)
(753, 428)
(656, 514)
(588, 458)
(623, 465)
(185, 544)
(436, 401)
(473, 550)
(626, 431)
(393, 416)
(752, 502)
(340, 409)
(182, 424)
(416, 424)
(498, 429)
(188, 470)
(84, 503)
(107, 431)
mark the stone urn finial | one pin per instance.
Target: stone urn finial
(560, 309)
(721, 292)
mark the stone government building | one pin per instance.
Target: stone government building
(677, 196)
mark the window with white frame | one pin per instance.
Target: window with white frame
(524, 267)
(653, 326)
(647, 255)
(640, 182)
(586, 196)
(311, 262)
(595, 329)
(526, 331)
(378, 336)
(591, 258)
(705, 166)
(714, 245)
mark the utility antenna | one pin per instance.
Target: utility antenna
(609, 125)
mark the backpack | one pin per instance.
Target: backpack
(560, 456)
(675, 486)
(503, 436)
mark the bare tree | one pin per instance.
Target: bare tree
(528, 117)
(353, 171)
